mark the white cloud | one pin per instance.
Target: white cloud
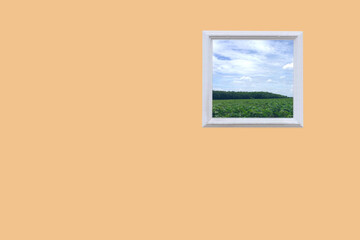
(237, 81)
(246, 78)
(243, 79)
(241, 66)
(282, 77)
(288, 66)
(259, 46)
(269, 80)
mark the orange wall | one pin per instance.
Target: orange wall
(101, 132)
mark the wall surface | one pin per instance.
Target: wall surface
(100, 125)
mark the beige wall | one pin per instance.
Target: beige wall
(100, 125)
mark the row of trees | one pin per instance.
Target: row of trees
(245, 95)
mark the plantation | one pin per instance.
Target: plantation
(253, 108)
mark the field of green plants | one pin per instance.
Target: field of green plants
(253, 108)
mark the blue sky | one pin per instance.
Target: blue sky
(253, 65)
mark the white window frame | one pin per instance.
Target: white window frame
(209, 121)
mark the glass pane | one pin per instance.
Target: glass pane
(253, 78)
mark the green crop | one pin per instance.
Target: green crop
(253, 108)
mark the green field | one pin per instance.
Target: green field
(253, 108)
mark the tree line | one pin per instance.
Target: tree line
(245, 95)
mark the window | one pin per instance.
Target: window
(252, 79)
